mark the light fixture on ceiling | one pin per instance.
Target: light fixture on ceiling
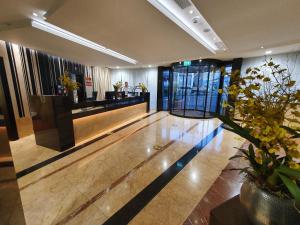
(262, 47)
(39, 15)
(268, 52)
(202, 32)
(191, 12)
(55, 30)
(149, 66)
(117, 67)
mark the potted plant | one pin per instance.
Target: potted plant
(143, 87)
(266, 100)
(117, 86)
(68, 84)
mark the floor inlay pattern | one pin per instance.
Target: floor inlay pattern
(121, 179)
(74, 149)
(134, 206)
(225, 187)
(88, 155)
(91, 186)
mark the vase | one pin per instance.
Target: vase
(264, 208)
(116, 93)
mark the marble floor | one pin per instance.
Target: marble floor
(155, 170)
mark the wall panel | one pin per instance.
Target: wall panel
(31, 72)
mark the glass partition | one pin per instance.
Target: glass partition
(194, 91)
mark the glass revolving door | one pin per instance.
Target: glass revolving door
(195, 90)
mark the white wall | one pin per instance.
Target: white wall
(287, 60)
(148, 76)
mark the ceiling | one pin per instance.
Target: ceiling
(138, 30)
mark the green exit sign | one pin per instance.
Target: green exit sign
(187, 63)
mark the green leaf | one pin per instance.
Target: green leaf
(292, 187)
(239, 130)
(288, 172)
(252, 160)
(244, 151)
(237, 156)
(266, 79)
(273, 179)
(291, 131)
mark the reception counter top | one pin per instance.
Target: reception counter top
(93, 107)
(58, 124)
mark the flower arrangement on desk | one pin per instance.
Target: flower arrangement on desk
(143, 87)
(68, 83)
(266, 101)
(117, 86)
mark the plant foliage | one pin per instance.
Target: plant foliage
(266, 100)
(68, 83)
(143, 87)
(117, 86)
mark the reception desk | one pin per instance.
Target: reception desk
(58, 124)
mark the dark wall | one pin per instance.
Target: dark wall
(11, 210)
(6, 104)
(40, 72)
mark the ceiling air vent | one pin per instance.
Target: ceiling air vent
(183, 3)
(220, 45)
(196, 20)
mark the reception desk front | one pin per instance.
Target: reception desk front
(59, 125)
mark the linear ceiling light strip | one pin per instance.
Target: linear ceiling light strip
(50, 28)
(181, 18)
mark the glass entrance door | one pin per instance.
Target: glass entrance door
(179, 88)
(195, 90)
(192, 91)
(165, 89)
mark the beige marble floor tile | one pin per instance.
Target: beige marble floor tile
(51, 199)
(78, 178)
(116, 161)
(120, 195)
(90, 216)
(86, 154)
(176, 201)
(118, 200)
(26, 153)
(47, 202)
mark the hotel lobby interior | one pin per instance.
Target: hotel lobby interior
(149, 112)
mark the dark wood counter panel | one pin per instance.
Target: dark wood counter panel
(58, 124)
(52, 121)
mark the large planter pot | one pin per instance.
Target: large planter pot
(264, 208)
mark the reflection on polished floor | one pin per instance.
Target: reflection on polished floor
(174, 160)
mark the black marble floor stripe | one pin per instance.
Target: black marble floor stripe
(135, 205)
(74, 149)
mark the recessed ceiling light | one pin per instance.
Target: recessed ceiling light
(117, 67)
(35, 14)
(191, 12)
(200, 60)
(268, 52)
(197, 27)
(149, 66)
(261, 47)
(55, 30)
